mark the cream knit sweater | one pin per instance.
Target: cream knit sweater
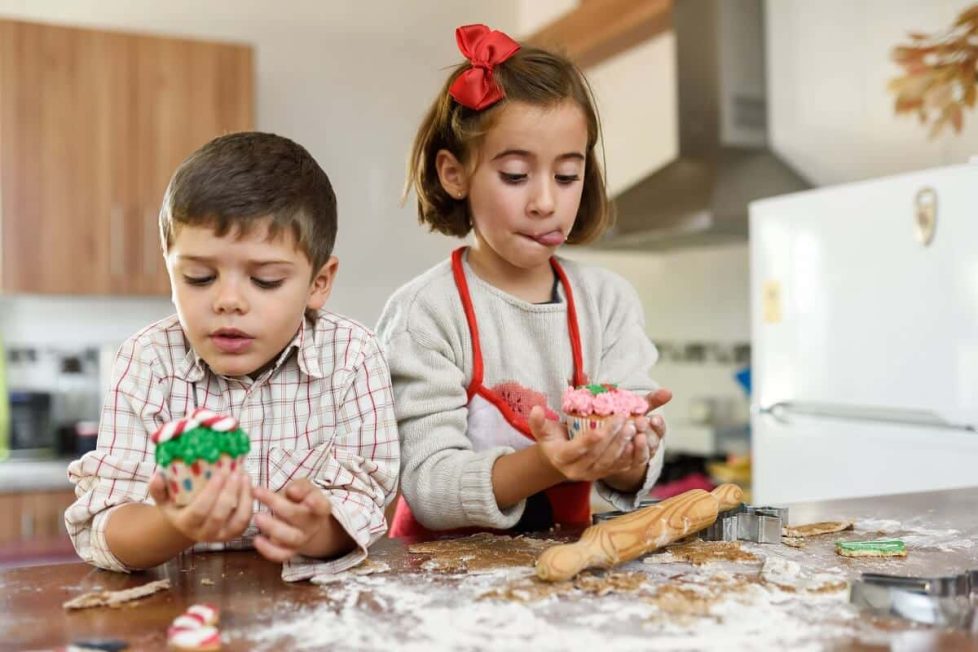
(426, 340)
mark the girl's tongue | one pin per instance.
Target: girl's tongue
(551, 239)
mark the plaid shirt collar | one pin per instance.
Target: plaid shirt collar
(192, 368)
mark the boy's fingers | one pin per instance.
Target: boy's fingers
(272, 552)
(225, 504)
(279, 532)
(157, 489)
(242, 513)
(201, 507)
(299, 489)
(318, 504)
(281, 506)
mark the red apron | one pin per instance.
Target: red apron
(493, 421)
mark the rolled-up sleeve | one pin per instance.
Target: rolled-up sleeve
(358, 470)
(120, 468)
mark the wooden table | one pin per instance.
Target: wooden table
(253, 598)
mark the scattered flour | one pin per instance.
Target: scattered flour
(702, 609)
(915, 535)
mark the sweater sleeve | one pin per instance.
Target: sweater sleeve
(445, 481)
(627, 358)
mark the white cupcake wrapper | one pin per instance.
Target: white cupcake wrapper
(576, 425)
(185, 481)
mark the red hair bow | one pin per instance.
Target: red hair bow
(484, 48)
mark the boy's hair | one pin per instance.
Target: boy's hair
(530, 75)
(235, 180)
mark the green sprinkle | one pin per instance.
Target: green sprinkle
(878, 548)
(203, 444)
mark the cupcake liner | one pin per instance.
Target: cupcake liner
(185, 481)
(576, 424)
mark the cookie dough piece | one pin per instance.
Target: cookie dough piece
(814, 529)
(116, 598)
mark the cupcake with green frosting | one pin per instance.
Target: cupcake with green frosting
(190, 450)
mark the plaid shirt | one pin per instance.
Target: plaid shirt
(323, 411)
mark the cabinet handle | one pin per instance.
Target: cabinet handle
(150, 252)
(26, 525)
(115, 233)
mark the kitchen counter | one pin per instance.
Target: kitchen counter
(423, 599)
(34, 475)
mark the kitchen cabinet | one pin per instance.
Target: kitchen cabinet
(92, 125)
(33, 516)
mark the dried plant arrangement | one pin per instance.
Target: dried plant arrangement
(940, 75)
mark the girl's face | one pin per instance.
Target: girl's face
(526, 187)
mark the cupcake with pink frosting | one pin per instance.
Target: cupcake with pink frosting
(190, 450)
(587, 407)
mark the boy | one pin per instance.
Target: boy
(247, 227)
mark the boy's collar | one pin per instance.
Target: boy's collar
(191, 368)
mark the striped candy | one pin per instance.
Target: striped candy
(199, 417)
(195, 629)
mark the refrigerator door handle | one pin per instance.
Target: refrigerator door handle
(784, 410)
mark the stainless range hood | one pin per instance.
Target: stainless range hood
(724, 162)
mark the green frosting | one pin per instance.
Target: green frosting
(203, 444)
(596, 389)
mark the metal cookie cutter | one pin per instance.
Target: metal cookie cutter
(607, 516)
(949, 601)
(758, 524)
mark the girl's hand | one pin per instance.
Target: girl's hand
(300, 515)
(649, 433)
(656, 429)
(220, 512)
(592, 455)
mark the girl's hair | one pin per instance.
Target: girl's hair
(531, 75)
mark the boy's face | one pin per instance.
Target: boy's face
(241, 299)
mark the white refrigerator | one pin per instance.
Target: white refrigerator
(864, 329)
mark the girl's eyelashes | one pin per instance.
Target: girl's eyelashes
(515, 179)
(512, 178)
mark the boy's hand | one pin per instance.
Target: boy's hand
(300, 518)
(220, 512)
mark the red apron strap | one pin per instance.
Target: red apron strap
(458, 271)
(580, 378)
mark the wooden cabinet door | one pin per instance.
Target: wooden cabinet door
(56, 120)
(92, 125)
(186, 93)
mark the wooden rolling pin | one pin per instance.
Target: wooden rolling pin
(632, 535)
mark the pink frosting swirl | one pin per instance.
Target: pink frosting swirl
(581, 401)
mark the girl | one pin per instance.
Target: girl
(481, 347)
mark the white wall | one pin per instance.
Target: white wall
(348, 79)
(636, 99)
(828, 64)
(691, 295)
